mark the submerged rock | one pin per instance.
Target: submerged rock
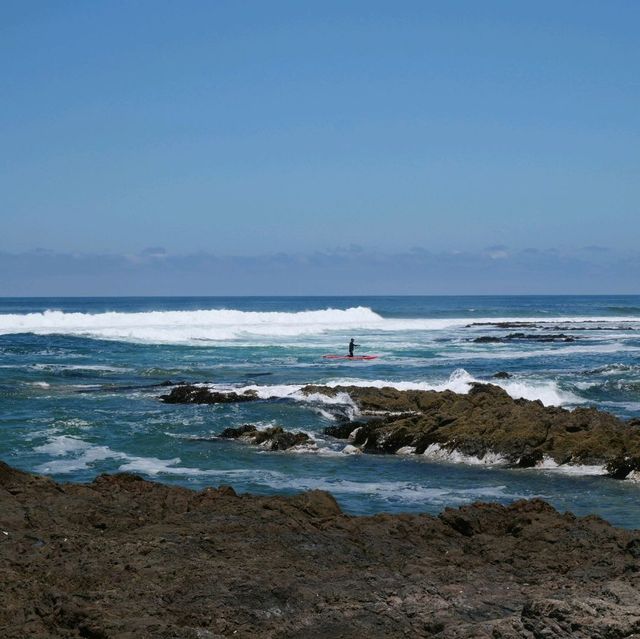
(488, 422)
(123, 557)
(192, 394)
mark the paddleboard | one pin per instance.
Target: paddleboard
(347, 357)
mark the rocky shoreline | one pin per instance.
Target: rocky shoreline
(127, 558)
(485, 425)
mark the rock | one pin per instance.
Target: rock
(236, 433)
(488, 339)
(271, 438)
(488, 421)
(502, 375)
(190, 394)
(173, 563)
(341, 431)
(621, 466)
(530, 459)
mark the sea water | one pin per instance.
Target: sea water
(79, 392)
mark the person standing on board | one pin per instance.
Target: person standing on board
(352, 345)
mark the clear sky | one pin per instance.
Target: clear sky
(488, 129)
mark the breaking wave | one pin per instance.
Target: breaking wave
(460, 381)
(193, 327)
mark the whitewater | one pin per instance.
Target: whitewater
(80, 381)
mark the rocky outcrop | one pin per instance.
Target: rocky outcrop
(487, 421)
(275, 438)
(125, 558)
(518, 337)
(192, 394)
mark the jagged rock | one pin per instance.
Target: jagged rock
(236, 433)
(488, 421)
(501, 375)
(171, 562)
(341, 431)
(274, 438)
(621, 466)
(190, 394)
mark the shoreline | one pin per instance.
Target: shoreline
(125, 557)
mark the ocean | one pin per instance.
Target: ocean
(79, 389)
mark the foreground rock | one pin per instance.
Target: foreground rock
(488, 422)
(275, 438)
(125, 558)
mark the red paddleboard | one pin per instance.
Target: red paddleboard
(347, 357)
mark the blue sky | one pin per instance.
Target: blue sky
(465, 130)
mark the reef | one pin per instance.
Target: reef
(484, 424)
(125, 558)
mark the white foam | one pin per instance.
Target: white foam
(460, 381)
(292, 392)
(406, 450)
(570, 469)
(176, 327)
(349, 449)
(189, 326)
(153, 466)
(62, 445)
(395, 491)
(437, 453)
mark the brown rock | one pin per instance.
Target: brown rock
(172, 562)
(488, 420)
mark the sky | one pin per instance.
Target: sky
(331, 147)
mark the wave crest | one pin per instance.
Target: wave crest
(189, 326)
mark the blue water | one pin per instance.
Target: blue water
(78, 393)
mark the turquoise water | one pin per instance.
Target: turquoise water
(79, 394)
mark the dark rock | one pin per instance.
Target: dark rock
(502, 375)
(620, 467)
(489, 339)
(235, 433)
(178, 563)
(340, 431)
(530, 459)
(189, 394)
(271, 438)
(559, 337)
(505, 324)
(278, 439)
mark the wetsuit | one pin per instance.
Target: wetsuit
(352, 345)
